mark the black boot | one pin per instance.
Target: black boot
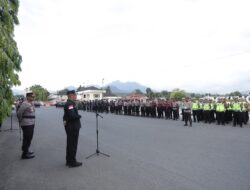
(75, 164)
(27, 156)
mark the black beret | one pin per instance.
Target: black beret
(71, 92)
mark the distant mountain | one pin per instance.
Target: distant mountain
(126, 87)
(116, 90)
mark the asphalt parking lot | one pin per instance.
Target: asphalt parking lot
(145, 154)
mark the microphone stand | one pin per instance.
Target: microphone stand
(11, 126)
(98, 152)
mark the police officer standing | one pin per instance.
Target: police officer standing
(72, 124)
(26, 118)
(187, 109)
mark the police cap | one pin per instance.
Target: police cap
(30, 94)
(71, 92)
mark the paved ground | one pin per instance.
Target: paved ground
(146, 154)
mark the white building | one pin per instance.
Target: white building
(90, 93)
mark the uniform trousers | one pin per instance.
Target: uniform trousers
(187, 117)
(220, 116)
(72, 141)
(238, 118)
(28, 132)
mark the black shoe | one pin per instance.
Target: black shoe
(30, 153)
(27, 156)
(76, 164)
(185, 124)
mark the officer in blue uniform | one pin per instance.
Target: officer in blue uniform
(72, 125)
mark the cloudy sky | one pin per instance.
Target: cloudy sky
(195, 45)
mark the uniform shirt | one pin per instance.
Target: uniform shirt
(26, 114)
(220, 107)
(71, 116)
(207, 107)
(195, 106)
(125, 103)
(187, 106)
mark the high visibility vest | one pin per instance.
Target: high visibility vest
(244, 107)
(206, 107)
(220, 107)
(212, 106)
(230, 106)
(236, 106)
(195, 106)
(200, 106)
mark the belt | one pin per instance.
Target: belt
(29, 117)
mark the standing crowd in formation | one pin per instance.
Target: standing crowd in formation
(224, 111)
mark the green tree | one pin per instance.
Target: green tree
(165, 94)
(157, 95)
(40, 92)
(178, 94)
(149, 93)
(108, 91)
(62, 92)
(79, 88)
(10, 59)
(235, 93)
(137, 91)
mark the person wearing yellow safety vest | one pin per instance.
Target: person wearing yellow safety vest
(212, 111)
(237, 109)
(206, 111)
(229, 111)
(220, 112)
(200, 110)
(195, 107)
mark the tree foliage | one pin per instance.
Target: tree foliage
(165, 94)
(62, 92)
(235, 93)
(178, 94)
(108, 91)
(10, 59)
(137, 91)
(40, 92)
(149, 93)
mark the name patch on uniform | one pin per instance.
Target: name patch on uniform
(71, 107)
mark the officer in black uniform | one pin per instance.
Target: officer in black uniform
(72, 124)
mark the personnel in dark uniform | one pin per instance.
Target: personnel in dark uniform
(72, 124)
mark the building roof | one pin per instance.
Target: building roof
(87, 88)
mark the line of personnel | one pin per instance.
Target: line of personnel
(223, 111)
